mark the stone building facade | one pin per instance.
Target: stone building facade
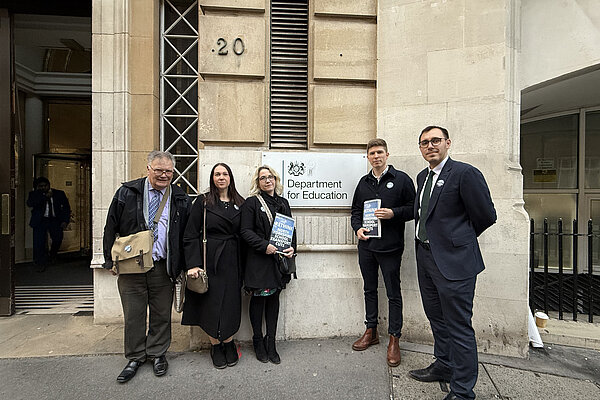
(383, 69)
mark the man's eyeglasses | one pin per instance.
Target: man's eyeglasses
(266, 177)
(434, 141)
(159, 172)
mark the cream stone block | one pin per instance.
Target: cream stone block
(231, 111)
(501, 326)
(234, 4)
(232, 45)
(485, 22)
(138, 160)
(409, 27)
(345, 7)
(107, 302)
(409, 80)
(312, 308)
(400, 125)
(343, 114)
(103, 16)
(466, 73)
(344, 50)
(143, 18)
(473, 135)
(109, 63)
(243, 163)
(143, 65)
(144, 119)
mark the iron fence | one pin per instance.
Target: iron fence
(560, 283)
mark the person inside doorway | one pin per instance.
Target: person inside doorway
(50, 214)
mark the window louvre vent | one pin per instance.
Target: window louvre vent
(289, 74)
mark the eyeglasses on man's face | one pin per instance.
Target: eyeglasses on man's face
(159, 171)
(434, 141)
(266, 178)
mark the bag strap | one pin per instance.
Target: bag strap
(264, 204)
(161, 206)
(204, 237)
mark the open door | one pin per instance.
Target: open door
(7, 166)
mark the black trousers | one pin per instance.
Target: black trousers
(370, 262)
(449, 308)
(40, 239)
(140, 292)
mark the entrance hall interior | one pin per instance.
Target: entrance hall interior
(52, 73)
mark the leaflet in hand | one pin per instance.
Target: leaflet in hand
(370, 221)
(282, 232)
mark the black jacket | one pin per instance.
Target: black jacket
(261, 268)
(126, 217)
(465, 211)
(218, 311)
(396, 191)
(37, 202)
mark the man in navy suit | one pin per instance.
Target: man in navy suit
(50, 213)
(452, 208)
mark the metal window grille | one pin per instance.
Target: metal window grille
(179, 89)
(289, 74)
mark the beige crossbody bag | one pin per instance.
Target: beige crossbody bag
(132, 254)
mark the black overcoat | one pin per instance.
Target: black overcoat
(261, 268)
(217, 311)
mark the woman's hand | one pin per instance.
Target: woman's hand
(193, 272)
(289, 252)
(271, 249)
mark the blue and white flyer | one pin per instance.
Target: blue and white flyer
(282, 232)
(370, 221)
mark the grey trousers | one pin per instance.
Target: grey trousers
(140, 292)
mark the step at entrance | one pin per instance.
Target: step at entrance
(69, 299)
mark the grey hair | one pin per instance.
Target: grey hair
(153, 155)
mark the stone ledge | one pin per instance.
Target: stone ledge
(571, 333)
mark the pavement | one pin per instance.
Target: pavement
(68, 357)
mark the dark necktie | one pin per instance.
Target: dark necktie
(152, 209)
(424, 207)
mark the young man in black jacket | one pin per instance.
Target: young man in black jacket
(132, 210)
(396, 191)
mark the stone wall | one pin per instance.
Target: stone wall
(453, 63)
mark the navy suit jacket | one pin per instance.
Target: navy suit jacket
(460, 209)
(37, 202)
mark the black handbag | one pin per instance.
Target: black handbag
(286, 265)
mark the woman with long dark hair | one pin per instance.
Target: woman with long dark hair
(217, 311)
(262, 277)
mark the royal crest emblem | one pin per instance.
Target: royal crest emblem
(296, 168)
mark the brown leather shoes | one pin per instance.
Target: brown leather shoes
(393, 352)
(368, 338)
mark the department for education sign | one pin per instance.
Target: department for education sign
(318, 179)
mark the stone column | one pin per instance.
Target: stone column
(453, 63)
(125, 117)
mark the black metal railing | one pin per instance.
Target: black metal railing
(557, 286)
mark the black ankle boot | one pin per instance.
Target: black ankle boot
(271, 350)
(231, 354)
(259, 350)
(218, 356)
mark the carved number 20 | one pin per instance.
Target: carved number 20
(238, 47)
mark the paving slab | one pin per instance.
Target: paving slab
(310, 369)
(527, 385)
(406, 388)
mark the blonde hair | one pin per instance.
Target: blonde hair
(255, 188)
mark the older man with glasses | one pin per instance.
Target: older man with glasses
(133, 209)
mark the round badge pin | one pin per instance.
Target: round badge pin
(390, 185)
(262, 209)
